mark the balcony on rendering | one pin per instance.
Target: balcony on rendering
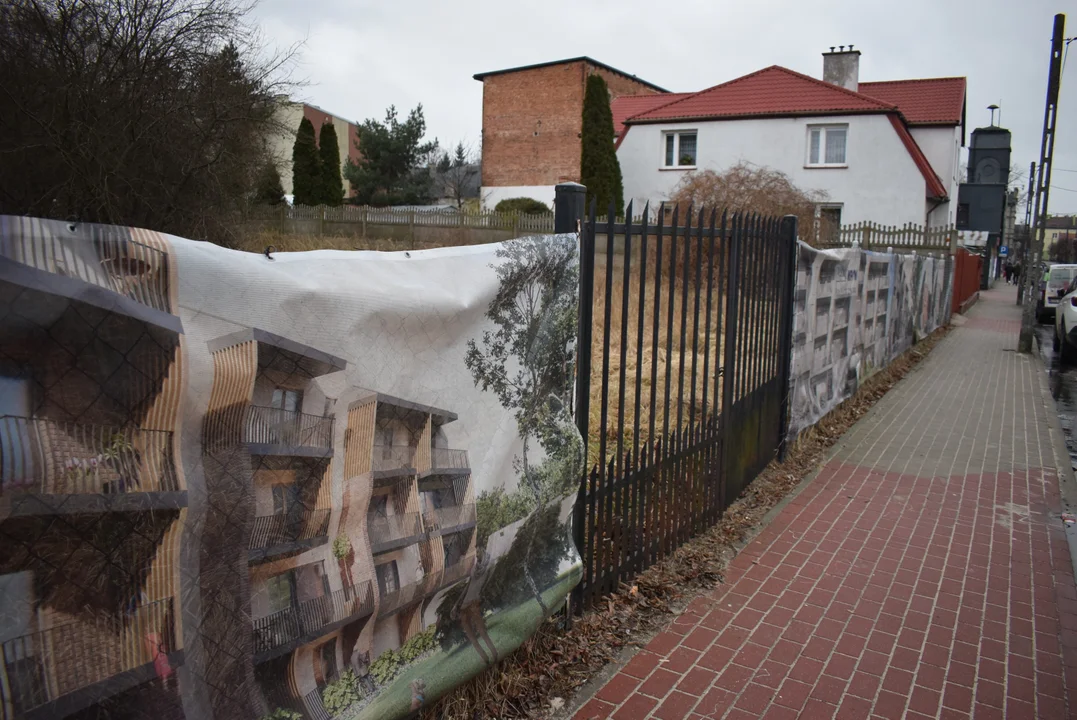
(279, 431)
(51, 466)
(67, 667)
(394, 531)
(93, 265)
(302, 622)
(288, 532)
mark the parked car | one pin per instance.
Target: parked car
(1057, 279)
(1066, 323)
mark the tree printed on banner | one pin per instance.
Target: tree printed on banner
(527, 362)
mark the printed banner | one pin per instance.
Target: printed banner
(299, 485)
(855, 311)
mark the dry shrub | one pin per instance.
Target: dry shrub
(751, 188)
(704, 345)
(639, 357)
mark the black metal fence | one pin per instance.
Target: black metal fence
(682, 377)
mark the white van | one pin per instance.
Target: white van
(1056, 279)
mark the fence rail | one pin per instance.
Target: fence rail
(450, 517)
(387, 530)
(45, 665)
(446, 459)
(274, 426)
(124, 266)
(415, 217)
(393, 457)
(872, 236)
(41, 455)
(308, 617)
(704, 325)
(270, 530)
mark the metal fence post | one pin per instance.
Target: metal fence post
(568, 207)
(568, 213)
(788, 237)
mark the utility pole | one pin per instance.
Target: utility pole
(1026, 239)
(1043, 183)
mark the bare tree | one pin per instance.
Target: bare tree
(751, 188)
(151, 113)
(457, 175)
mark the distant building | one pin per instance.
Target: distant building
(886, 152)
(289, 114)
(1059, 227)
(532, 119)
(983, 197)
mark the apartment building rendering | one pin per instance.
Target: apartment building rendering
(359, 516)
(179, 554)
(92, 491)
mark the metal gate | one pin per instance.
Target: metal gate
(682, 377)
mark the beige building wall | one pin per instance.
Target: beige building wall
(288, 115)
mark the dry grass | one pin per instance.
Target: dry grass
(260, 240)
(545, 673)
(702, 356)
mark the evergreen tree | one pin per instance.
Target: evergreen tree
(395, 167)
(599, 169)
(306, 175)
(332, 187)
(269, 190)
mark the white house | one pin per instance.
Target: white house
(887, 152)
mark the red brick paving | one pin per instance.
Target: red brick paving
(889, 587)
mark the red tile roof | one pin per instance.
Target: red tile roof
(768, 92)
(935, 188)
(777, 92)
(931, 101)
(629, 105)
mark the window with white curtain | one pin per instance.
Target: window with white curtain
(826, 145)
(679, 149)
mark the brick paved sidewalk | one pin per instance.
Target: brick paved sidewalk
(924, 573)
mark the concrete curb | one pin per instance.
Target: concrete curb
(1067, 483)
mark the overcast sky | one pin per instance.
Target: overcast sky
(358, 57)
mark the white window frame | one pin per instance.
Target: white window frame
(676, 149)
(823, 130)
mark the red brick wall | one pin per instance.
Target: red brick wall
(531, 122)
(620, 85)
(318, 117)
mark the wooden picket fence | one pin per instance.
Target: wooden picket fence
(872, 236)
(361, 216)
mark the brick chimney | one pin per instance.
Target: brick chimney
(842, 67)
